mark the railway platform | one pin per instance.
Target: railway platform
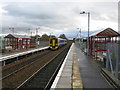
(90, 71)
(79, 71)
(4, 58)
(68, 75)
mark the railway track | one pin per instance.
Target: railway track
(44, 77)
(18, 77)
(17, 65)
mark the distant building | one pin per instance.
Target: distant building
(35, 41)
(2, 46)
(1, 43)
(16, 41)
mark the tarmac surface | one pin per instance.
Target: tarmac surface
(90, 72)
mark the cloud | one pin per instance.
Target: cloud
(60, 1)
(58, 17)
(1, 9)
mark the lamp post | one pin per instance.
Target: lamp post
(80, 33)
(88, 20)
(28, 31)
(37, 38)
(50, 35)
(88, 13)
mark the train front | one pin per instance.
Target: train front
(53, 43)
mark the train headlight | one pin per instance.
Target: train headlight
(56, 47)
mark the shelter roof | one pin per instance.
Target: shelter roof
(17, 36)
(106, 32)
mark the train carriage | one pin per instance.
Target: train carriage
(55, 43)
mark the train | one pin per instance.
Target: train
(56, 43)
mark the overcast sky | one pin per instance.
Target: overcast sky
(58, 17)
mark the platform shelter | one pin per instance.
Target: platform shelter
(98, 41)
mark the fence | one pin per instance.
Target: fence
(113, 58)
(83, 44)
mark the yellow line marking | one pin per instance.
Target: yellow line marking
(76, 78)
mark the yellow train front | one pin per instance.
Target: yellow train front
(55, 43)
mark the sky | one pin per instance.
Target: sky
(57, 16)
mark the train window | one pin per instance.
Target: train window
(61, 40)
(51, 41)
(56, 41)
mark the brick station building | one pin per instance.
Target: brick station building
(17, 41)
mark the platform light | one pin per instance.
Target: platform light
(88, 26)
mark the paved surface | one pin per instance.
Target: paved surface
(19, 51)
(68, 75)
(63, 78)
(90, 72)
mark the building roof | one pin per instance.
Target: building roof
(17, 36)
(106, 32)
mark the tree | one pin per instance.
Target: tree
(34, 39)
(44, 37)
(63, 36)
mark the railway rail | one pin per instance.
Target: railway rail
(17, 77)
(45, 76)
(17, 65)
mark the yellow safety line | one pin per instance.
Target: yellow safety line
(76, 77)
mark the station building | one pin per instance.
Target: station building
(16, 41)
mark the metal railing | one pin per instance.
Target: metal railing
(113, 59)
